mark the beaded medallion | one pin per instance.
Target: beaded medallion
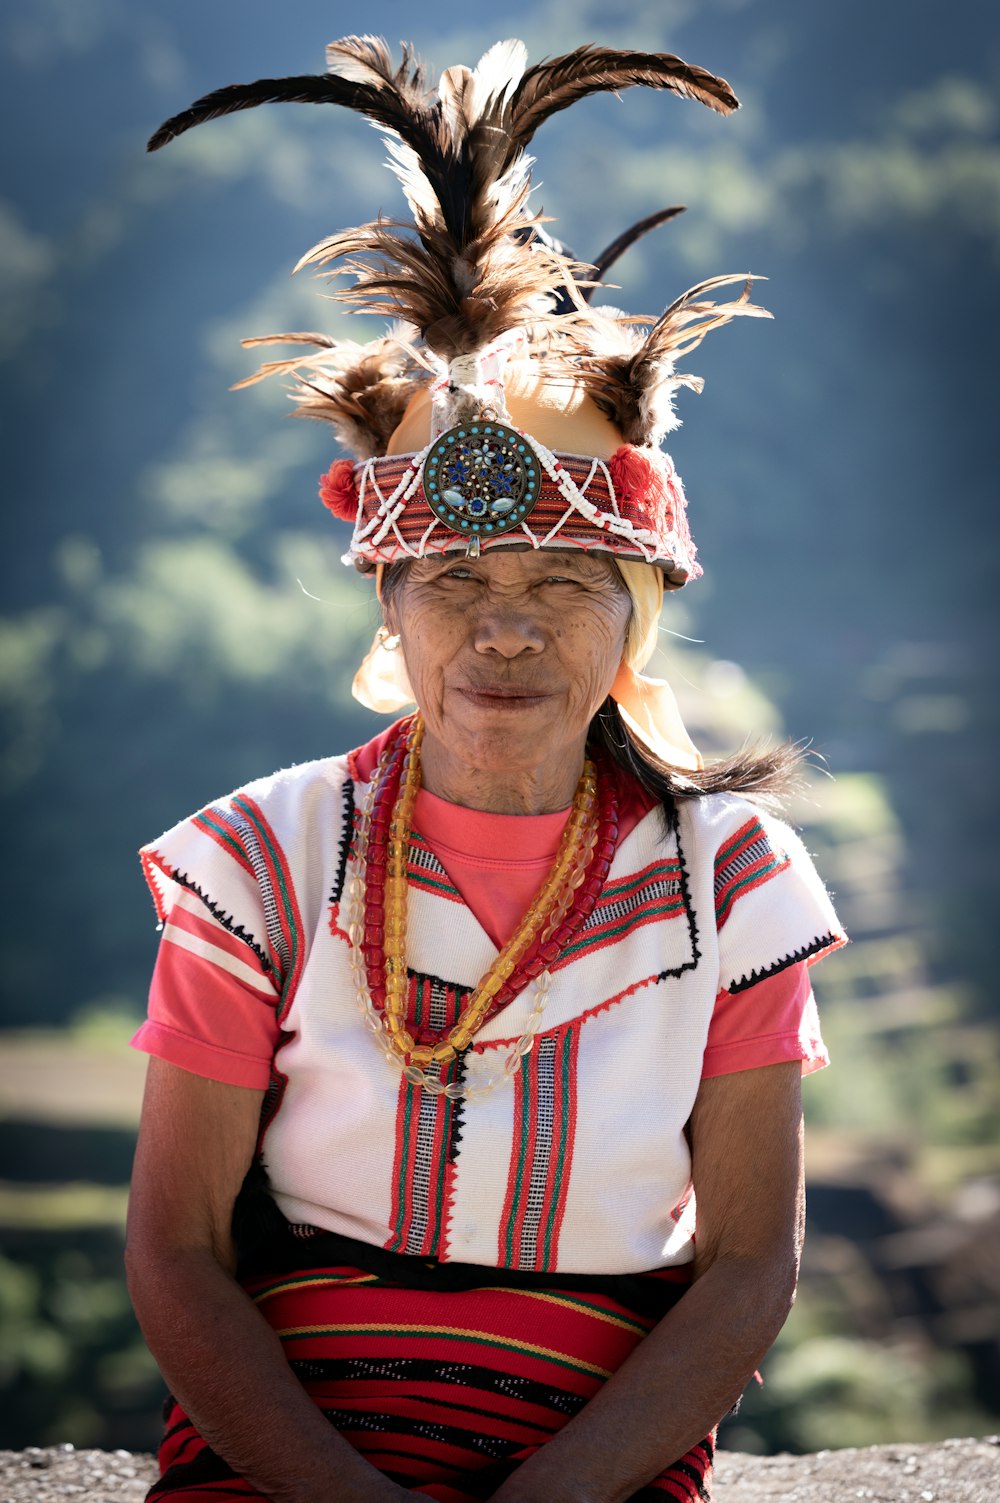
(481, 478)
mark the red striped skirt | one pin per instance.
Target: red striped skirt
(445, 1390)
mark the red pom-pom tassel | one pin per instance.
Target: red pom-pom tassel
(338, 492)
(643, 484)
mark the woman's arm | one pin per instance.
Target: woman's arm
(221, 1359)
(746, 1143)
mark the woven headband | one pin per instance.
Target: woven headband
(631, 506)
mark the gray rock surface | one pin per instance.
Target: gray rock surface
(955, 1471)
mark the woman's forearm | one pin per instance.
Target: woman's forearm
(226, 1367)
(666, 1397)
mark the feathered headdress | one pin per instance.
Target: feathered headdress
(473, 283)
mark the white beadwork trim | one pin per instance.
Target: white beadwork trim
(373, 535)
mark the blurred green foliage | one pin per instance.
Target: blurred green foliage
(824, 1390)
(73, 1366)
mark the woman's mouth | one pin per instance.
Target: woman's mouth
(496, 698)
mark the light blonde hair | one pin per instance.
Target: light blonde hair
(644, 583)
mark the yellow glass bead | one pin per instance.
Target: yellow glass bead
(422, 1054)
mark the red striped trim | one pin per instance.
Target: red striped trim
(290, 920)
(754, 875)
(289, 915)
(525, 1145)
(745, 835)
(564, 1137)
(402, 1168)
(422, 1178)
(747, 877)
(213, 933)
(152, 864)
(545, 1092)
(506, 1242)
(223, 836)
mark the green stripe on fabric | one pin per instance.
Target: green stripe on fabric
(665, 871)
(733, 845)
(420, 987)
(733, 892)
(289, 909)
(562, 1061)
(417, 877)
(224, 832)
(643, 915)
(315, 1280)
(586, 1304)
(473, 1338)
(522, 1150)
(404, 1159)
(448, 1107)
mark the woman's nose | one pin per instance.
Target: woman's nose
(507, 629)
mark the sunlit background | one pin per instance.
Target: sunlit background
(176, 618)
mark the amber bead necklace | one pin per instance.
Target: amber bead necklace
(376, 919)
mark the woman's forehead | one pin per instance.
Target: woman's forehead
(515, 562)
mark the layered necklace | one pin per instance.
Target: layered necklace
(376, 918)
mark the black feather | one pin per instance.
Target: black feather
(556, 84)
(305, 88)
(613, 252)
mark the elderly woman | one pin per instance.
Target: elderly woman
(449, 1033)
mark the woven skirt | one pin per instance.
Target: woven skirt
(445, 1378)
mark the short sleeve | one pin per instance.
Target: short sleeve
(771, 908)
(218, 885)
(769, 1023)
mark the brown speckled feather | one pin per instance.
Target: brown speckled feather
(630, 370)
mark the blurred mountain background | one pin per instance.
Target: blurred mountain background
(176, 619)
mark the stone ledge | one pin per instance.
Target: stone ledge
(954, 1471)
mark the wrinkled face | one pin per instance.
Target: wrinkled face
(512, 653)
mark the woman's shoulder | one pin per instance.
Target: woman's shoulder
(717, 820)
(276, 797)
(771, 905)
(251, 856)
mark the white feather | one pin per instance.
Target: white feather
(656, 410)
(355, 69)
(498, 72)
(505, 189)
(451, 88)
(407, 167)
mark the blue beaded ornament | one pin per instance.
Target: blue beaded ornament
(481, 479)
